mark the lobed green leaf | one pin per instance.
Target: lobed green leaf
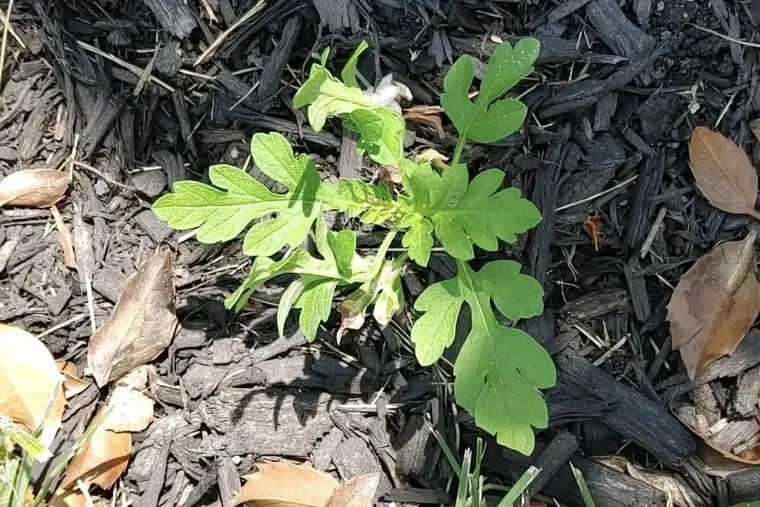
(381, 129)
(499, 370)
(465, 214)
(487, 120)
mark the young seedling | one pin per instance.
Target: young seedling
(500, 370)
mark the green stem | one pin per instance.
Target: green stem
(458, 149)
(383, 250)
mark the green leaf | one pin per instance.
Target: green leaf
(287, 301)
(435, 330)
(515, 295)
(297, 209)
(384, 290)
(343, 246)
(381, 134)
(371, 203)
(499, 370)
(418, 240)
(315, 303)
(222, 211)
(316, 279)
(381, 129)
(486, 121)
(464, 214)
(390, 295)
(348, 74)
(508, 66)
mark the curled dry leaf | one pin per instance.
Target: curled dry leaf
(142, 324)
(33, 187)
(30, 382)
(72, 384)
(723, 172)
(357, 492)
(285, 484)
(101, 461)
(714, 304)
(131, 410)
(429, 116)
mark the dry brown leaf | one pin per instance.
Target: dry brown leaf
(72, 384)
(283, 484)
(30, 381)
(714, 304)
(357, 492)
(676, 489)
(429, 116)
(754, 126)
(33, 187)
(131, 410)
(64, 238)
(142, 324)
(723, 172)
(101, 461)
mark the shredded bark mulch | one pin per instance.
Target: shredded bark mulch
(133, 96)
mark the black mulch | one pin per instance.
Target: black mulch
(134, 95)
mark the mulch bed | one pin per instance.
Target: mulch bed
(138, 94)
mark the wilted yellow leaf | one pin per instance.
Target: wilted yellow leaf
(30, 382)
(142, 324)
(283, 484)
(33, 187)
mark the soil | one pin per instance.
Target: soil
(133, 96)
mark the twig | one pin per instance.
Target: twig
(6, 27)
(6, 21)
(106, 178)
(600, 194)
(222, 36)
(726, 37)
(134, 69)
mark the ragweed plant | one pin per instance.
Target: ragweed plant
(499, 370)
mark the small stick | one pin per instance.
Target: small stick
(222, 36)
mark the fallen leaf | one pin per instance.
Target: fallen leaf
(714, 304)
(723, 172)
(30, 382)
(100, 461)
(429, 116)
(357, 492)
(141, 326)
(64, 238)
(283, 484)
(675, 488)
(131, 410)
(33, 187)
(72, 384)
(754, 126)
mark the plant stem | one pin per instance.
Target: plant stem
(458, 149)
